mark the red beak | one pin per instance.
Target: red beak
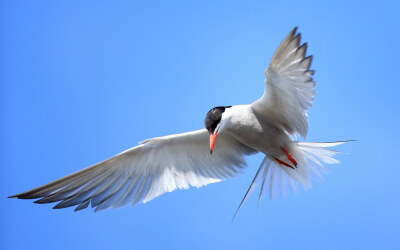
(213, 137)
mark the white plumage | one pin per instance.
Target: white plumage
(146, 171)
(289, 87)
(179, 161)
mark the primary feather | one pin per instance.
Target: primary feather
(179, 161)
(289, 87)
(146, 171)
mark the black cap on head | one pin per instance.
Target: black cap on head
(213, 117)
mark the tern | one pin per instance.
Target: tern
(158, 165)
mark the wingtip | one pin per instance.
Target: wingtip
(18, 196)
(304, 47)
(21, 196)
(77, 209)
(293, 33)
(294, 30)
(82, 206)
(57, 206)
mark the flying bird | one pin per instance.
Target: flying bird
(158, 165)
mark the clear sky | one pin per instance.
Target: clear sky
(83, 80)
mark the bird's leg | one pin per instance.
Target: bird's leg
(291, 159)
(283, 163)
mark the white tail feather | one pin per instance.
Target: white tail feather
(310, 157)
(278, 180)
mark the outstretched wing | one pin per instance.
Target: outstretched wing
(289, 87)
(146, 171)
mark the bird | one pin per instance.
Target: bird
(269, 125)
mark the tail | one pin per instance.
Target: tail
(278, 180)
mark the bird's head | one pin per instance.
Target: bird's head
(213, 123)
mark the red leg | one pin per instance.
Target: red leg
(291, 159)
(283, 163)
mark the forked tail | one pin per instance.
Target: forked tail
(277, 179)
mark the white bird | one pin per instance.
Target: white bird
(215, 153)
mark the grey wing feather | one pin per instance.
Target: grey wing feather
(289, 87)
(146, 171)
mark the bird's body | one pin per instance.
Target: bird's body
(254, 130)
(209, 155)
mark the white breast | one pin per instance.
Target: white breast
(241, 122)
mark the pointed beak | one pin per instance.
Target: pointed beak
(213, 137)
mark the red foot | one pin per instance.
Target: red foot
(283, 163)
(291, 159)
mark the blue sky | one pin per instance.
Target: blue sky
(80, 82)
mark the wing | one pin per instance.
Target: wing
(289, 87)
(146, 171)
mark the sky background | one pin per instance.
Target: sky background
(83, 80)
